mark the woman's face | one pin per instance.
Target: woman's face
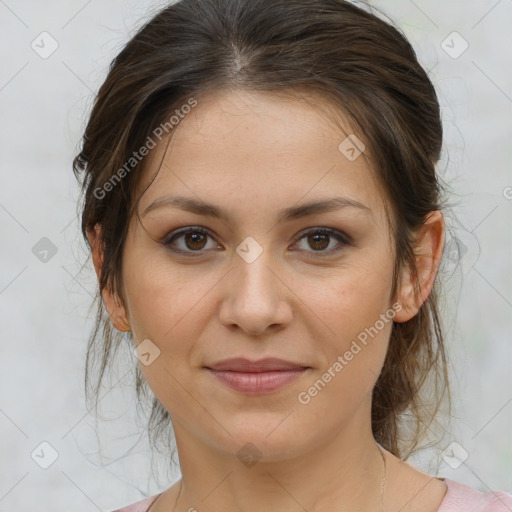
(258, 283)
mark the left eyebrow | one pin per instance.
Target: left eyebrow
(293, 212)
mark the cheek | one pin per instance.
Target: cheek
(163, 308)
(351, 298)
(162, 296)
(166, 305)
(356, 318)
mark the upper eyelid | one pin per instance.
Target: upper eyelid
(341, 236)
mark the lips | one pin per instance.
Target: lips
(256, 377)
(269, 364)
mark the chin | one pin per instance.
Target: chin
(259, 443)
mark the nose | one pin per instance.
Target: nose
(255, 298)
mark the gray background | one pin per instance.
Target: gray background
(44, 298)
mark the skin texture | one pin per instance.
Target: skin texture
(254, 154)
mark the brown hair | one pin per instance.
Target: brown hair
(343, 53)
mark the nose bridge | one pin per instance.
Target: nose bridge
(256, 298)
(254, 278)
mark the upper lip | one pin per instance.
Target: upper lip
(268, 364)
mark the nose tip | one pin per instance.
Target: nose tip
(255, 299)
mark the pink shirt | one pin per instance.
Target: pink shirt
(458, 498)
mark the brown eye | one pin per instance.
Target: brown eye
(320, 239)
(195, 240)
(318, 242)
(191, 240)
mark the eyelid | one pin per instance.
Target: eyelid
(178, 233)
(341, 236)
(343, 239)
(335, 233)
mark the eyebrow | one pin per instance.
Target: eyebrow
(294, 212)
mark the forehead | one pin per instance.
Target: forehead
(273, 146)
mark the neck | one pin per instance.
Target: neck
(344, 474)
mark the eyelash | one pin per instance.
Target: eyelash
(340, 236)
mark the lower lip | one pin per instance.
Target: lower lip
(257, 383)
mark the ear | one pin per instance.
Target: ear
(428, 253)
(112, 303)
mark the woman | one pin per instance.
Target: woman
(265, 221)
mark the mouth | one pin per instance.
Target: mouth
(256, 377)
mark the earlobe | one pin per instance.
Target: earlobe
(112, 303)
(428, 252)
(116, 312)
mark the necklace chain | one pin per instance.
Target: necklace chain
(383, 479)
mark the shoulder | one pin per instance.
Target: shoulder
(140, 506)
(463, 498)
